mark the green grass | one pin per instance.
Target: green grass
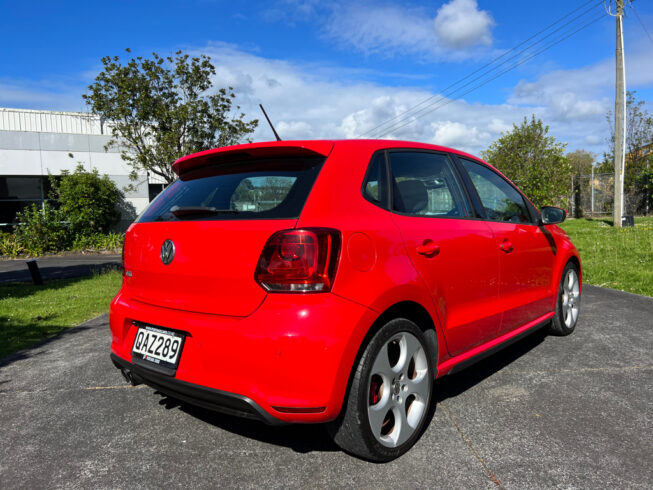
(31, 313)
(617, 258)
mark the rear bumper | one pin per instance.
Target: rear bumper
(220, 401)
(289, 361)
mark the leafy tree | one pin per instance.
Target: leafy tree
(534, 161)
(639, 134)
(160, 109)
(581, 162)
(87, 202)
(639, 151)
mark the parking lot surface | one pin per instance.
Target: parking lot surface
(546, 412)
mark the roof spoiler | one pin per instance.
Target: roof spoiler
(230, 154)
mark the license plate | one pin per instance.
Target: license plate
(159, 346)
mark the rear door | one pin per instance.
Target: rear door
(527, 253)
(453, 252)
(197, 246)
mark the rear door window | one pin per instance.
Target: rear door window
(253, 189)
(425, 184)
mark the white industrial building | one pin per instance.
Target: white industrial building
(34, 144)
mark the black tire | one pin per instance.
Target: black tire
(408, 395)
(562, 324)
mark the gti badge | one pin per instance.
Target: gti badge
(167, 252)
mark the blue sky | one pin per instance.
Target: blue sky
(337, 69)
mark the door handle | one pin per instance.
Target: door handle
(428, 248)
(506, 246)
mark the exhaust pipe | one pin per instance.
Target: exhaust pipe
(133, 379)
(126, 374)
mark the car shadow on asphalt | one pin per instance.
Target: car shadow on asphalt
(453, 385)
(306, 438)
(301, 438)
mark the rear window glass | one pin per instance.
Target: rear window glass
(254, 189)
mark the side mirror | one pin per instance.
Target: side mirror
(552, 215)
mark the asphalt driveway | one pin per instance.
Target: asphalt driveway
(547, 412)
(58, 266)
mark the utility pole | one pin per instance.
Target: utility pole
(619, 122)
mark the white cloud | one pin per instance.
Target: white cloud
(311, 101)
(333, 104)
(306, 102)
(381, 29)
(390, 28)
(582, 94)
(460, 24)
(459, 135)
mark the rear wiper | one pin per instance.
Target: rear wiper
(182, 211)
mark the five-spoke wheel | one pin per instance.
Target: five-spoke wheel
(568, 303)
(399, 390)
(390, 394)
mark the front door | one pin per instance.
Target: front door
(527, 253)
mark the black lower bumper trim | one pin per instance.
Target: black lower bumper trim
(209, 398)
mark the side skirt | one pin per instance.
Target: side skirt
(472, 356)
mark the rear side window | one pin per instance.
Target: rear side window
(375, 187)
(425, 184)
(502, 202)
(253, 189)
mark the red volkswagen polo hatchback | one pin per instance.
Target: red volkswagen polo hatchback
(333, 281)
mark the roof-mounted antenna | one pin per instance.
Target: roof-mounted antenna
(270, 122)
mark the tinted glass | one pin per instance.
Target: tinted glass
(501, 201)
(375, 184)
(20, 188)
(425, 184)
(254, 189)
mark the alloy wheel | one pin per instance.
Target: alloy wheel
(570, 298)
(399, 390)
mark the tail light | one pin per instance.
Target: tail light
(299, 261)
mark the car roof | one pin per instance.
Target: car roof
(299, 148)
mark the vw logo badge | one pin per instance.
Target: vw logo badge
(167, 252)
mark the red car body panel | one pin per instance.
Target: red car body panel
(206, 275)
(296, 352)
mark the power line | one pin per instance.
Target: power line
(441, 95)
(446, 93)
(405, 113)
(422, 112)
(640, 22)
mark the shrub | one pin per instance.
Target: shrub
(88, 202)
(9, 246)
(99, 242)
(42, 230)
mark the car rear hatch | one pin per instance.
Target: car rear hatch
(197, 245)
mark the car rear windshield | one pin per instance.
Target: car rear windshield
(253, 189)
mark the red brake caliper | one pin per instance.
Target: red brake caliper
(374, 392)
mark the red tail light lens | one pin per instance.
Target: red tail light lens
(299, 261)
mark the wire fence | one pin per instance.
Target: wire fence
(593, 195)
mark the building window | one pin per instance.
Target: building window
(17, 192)
(154, 190)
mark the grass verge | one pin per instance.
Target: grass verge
(617, 258)
(29, 313)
